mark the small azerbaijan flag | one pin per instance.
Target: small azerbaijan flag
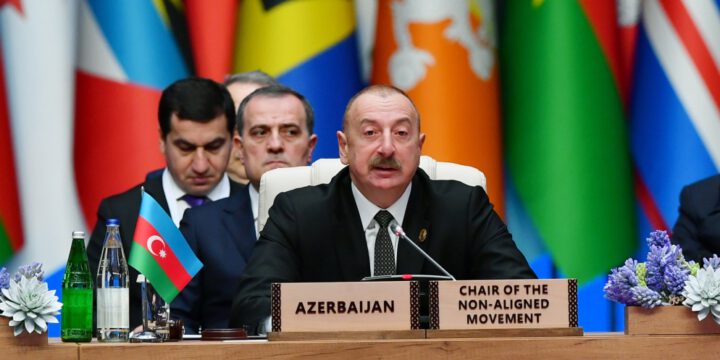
(160, 252)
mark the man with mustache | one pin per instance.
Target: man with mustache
(274, 129)
(340, 231)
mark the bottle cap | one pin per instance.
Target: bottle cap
(141, 279)
(78, 234)
(112, 222)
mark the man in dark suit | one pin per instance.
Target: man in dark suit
(196, 118)
(697, 229)
(276, 124)
(340, 231)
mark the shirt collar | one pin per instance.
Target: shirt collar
(173, 191)
(254, 201)
(368, 210)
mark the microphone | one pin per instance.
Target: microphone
(397, 230)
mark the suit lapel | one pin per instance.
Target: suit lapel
(154, 188)
(409, 260)
(348, 234)
(236, 187)
(237, 217)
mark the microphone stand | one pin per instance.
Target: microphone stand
(400, 233)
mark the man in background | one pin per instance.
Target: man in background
(697, 229)
(241, 85)
(196, 119)
(275, 127)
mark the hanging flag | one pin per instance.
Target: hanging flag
(675, 111)
(309, 46)
(160, 252)
(11, 235)
(566, 139)
(443, 54)
(212, 35)
(628, 18)
(38, 50)
(128, 54)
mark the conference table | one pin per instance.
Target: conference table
(588, 346)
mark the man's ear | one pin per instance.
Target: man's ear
(342, 147)
(238, 147)
(312, 142)
(162, 142)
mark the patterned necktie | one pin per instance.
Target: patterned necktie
(384, 253)
(193, 200)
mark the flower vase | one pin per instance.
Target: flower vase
(8, 339)
(667, 320)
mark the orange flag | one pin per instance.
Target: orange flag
(443, 54)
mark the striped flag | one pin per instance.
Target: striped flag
(628, 19)
(11, 235)
(675, 112)
(309, 46)
(128, 53)
(160, 252)
(442, 53)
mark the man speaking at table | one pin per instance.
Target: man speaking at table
(340, 231)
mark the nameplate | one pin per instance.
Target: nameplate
(503, 304)
(345, 306)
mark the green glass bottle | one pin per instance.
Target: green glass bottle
(77, 294)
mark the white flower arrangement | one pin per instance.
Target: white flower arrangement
(702, 291)
(26, 300)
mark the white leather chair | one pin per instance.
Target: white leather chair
(322, 171)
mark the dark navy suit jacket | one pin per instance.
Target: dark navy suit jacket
(697, 229)
(222, 235)
(126, 207)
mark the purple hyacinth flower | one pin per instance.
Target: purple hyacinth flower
(646, 297)
(33, 270)
(713, 262)
(675, 277)
(620, 282)
(658, 259)
(658, 238)
(4, 279)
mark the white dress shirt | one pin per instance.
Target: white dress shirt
(173, 194)
(367, 211)
(254, 196)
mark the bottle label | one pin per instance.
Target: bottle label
(113, 309)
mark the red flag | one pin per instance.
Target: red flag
(628, 16)
(212, 35)
(16, 3)
(11, 237)
(128, 54)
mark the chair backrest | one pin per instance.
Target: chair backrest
(322, 171)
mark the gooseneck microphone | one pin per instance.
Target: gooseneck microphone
(397, 230)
